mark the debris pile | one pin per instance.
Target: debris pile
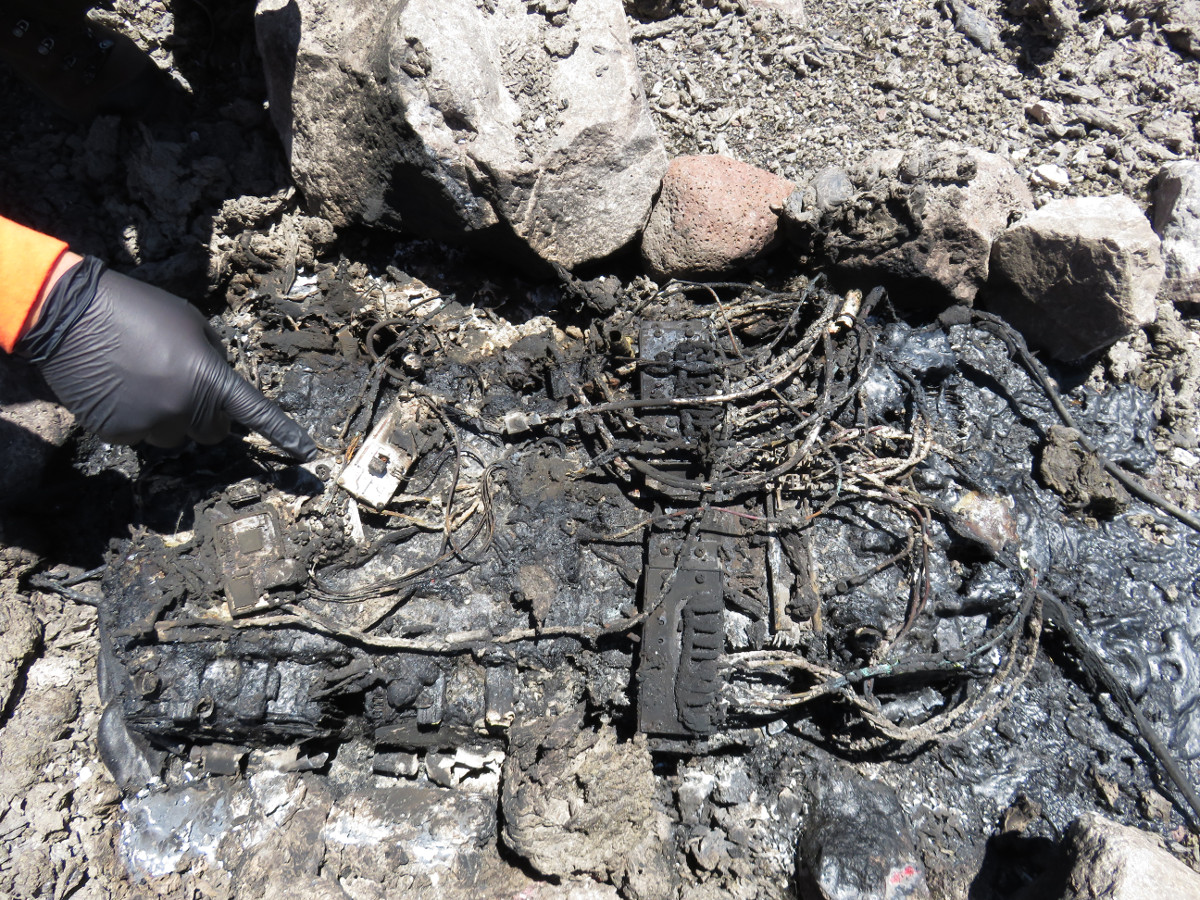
(608, 587)
(750, 526)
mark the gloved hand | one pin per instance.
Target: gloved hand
(134, 363)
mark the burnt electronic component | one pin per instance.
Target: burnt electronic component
(684, 635)
(772, 466)
(248, 550)
(376, 470)
(238, 689)
(500, 697)
(678, 361)
(253, 562)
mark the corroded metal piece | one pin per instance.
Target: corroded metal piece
(682, 640)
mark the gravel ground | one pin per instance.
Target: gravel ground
(1082, 101)
(1107, 103)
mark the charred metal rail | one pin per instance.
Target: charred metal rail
(682, 640)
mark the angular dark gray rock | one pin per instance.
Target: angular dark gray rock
(1177, 221)
(450, 119)
(973, 25)
(1077, 274)
(850, 815)
(923, 219)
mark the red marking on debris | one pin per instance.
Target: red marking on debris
(904, 874)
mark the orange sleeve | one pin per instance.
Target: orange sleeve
(26, 260)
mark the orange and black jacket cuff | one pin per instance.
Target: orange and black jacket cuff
(27, 258)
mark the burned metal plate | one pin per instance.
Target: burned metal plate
(250, 554)
(678, 679)
(677, 362)
(376, 470)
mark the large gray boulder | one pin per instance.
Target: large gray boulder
(1177, 221)
(1115, 862)
(452, 118)
(923, 219)
(1077, 274)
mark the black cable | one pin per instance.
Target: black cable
(1016, 343)
(45, 583)
(1061, 615)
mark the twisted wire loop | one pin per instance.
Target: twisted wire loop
(789, 376)
(788, 373)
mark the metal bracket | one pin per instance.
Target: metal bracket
(376, 470)
(252, 560)
(682, 639)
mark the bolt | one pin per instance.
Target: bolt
(700, 578)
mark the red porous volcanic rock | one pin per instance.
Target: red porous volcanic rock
(713, 215)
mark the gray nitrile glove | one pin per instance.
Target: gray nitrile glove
(135, 363)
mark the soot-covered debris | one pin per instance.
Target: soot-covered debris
(652, 573)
